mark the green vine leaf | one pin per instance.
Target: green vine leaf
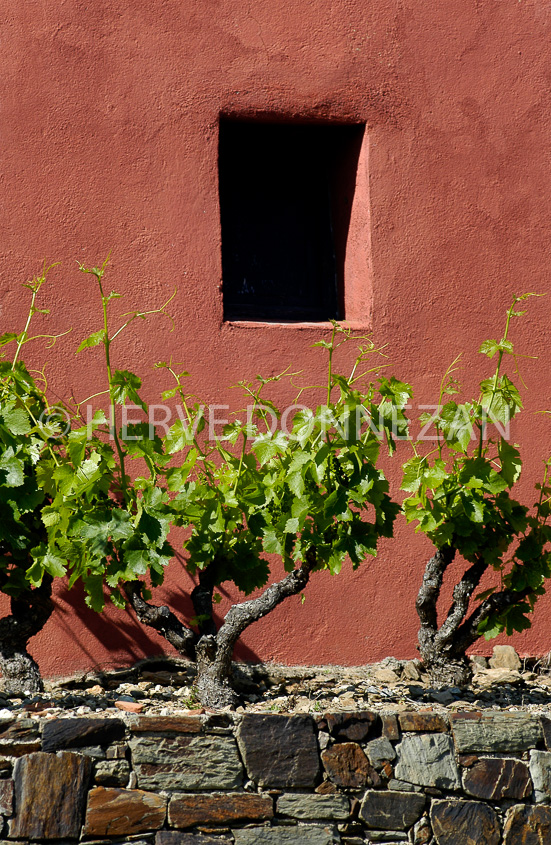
(92, 340)
(125, 388)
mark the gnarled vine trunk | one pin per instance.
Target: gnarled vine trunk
(212, 649)
(444, 670)
(214, 653)
(212, 682)
(444, 649)
(437, 645)
(29, 614)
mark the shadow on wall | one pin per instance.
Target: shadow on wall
(119, 632)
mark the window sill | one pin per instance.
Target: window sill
(321, 326)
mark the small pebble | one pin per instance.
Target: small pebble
(129, 706)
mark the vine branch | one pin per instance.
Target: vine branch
(162, 620)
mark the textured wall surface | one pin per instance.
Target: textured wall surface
(345, 778)
(108, 132)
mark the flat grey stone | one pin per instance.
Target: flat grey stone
(336, 807)
(112, 772)
(392, 837)
(96, 752)
(540, 771)
(6, 797)
(176, 837)
(186, 762)
(403, 786)
(388, 810)
(497, 732)
(279, 751)
(379, 750)
(427, 759)
(299, 835)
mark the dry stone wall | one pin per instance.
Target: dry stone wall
(473, 778)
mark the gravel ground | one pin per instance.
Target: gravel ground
(159, 686)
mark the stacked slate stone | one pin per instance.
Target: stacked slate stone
(474, 778)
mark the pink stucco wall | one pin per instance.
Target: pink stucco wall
(108, 125)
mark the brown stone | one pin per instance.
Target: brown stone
(467, 760)
(50, 795)
(347, 765)
(387, 769)
(464, 823)
(326, 788)
(22, 730)
(121, 812)
(166, 724)
(466, 716)
(19, 749)
(495, 778)
(129, 706)
(426, 722)
(193, 809)
(217, 830)
(77, 733)
(6, 797)
(526, 825)
(422, 833)
(354, 726)
(390, 728)
(279, 751)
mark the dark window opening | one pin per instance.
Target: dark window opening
(285, 197)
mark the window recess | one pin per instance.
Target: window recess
(286, 194)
